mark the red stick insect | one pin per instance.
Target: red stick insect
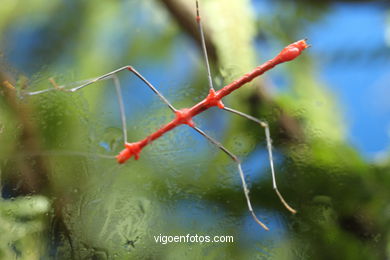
(184, 116)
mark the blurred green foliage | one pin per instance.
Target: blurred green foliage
(21, 223)
(63, 200)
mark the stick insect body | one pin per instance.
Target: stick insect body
(184, 116)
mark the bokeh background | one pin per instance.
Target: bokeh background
(329, 114)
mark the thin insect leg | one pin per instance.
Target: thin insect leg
(109, 75)
(56, 87)
(203, 42)
(121, 106)
(33, 93)
(244, 185)
(269, 148)
(39, 92)
(63, 87)
(151, 87)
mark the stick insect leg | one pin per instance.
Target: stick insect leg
(121, 106)
(119, 95)
(269, 148)
(203, 42)
(107, 76)
(244, 185)
(111, 75)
